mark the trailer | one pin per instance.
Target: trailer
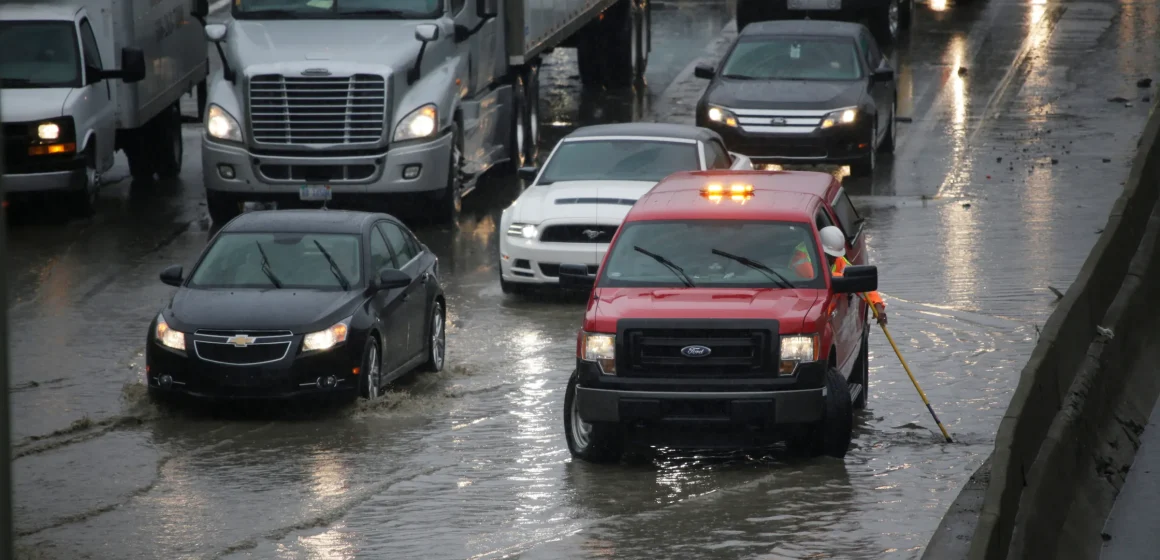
(326, 99)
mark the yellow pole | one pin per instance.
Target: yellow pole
(911, 375)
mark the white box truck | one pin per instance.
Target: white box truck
(366, 98)
(83, 79)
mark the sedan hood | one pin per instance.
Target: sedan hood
(33, 104)
(788, 306)
(589, 200)
(786, 94)
(318, 43)
(300, 311)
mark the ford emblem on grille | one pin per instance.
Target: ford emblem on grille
(241, 340)
(696, 351)
(777, 121)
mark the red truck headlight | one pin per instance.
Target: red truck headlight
(796, 349)
(599, 348)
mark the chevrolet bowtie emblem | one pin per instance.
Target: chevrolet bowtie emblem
(241, 340)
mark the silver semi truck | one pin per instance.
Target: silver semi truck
(68, 103)
(334, 98)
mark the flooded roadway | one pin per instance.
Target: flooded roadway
(471, 463)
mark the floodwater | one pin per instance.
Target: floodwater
(471, 462)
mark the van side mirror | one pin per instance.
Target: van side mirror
(132, 67)
(200, 9)
(884, 75)
(528, 173)
(704, 71)
(426, 32)
(390, 278)
(172, 275)
(487, 8)
(856, 280)
(576, 276)
(215, 32)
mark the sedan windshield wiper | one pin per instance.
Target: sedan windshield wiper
(737, 77)
(272, 14)
(680, 272)
(266, 267)
(334, 267)
(769, 272)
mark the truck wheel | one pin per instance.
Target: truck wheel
(596, 442)
(861, 373)
(831, 436)
(83, 201)
(622, 47)
(448, 201)
(222, 207)
(887, 23)
(169, 149)
(202, 96)
(532, 116)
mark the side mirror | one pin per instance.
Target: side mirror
(704, 71)
(200, 9)
(426, 32)
(215, 32)
(528, 173)
(390, 278)
(884, 75)
(132, 67)
(487, 8)
(172, 275)
(576, 276)
(856, 280)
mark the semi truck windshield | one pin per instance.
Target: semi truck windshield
(326, 9)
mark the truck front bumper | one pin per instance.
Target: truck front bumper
(233, 168)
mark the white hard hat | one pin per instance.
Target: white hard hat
(833, 241)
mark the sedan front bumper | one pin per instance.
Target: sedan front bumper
(841, 144)
(530, 261)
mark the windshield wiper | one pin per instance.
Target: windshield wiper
(334, 267)
(383, 12)
(680, 272)
(769, 272)
(737, 77)
(273, 14)
(266, 267)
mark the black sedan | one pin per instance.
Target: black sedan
(803, 92)
(299, 302)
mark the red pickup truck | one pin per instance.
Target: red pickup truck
(703, 329)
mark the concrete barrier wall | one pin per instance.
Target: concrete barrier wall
(1068, 392)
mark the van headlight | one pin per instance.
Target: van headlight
(797, 349)
(841, 116)
(420, 123)
(168, 337)
(221, 125)
(599, 348)
(327, 339)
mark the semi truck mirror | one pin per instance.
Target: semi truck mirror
(215, 32)
(426, 32)
(856, 280)
(200, 9)
(487, 8)
(132, 65)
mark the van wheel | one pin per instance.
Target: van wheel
(831, 436)
(861, 373)
(82, 201)
(166, 142)
(136, 147)
(595, 442)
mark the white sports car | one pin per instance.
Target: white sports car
(577, 201)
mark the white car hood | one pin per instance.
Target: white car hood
(602, 201)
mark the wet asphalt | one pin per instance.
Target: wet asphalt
(1006, 170)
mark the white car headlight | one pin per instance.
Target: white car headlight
(721, 115)
(600, 348)
(221, 125)
(841, 116)
(168, 337)
(527, 231)
(421, 123)
(796, 349)
(327, 339)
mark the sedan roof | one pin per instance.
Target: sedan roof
(301, 221)
(659, 130)
(814, 27)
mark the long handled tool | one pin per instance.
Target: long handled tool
(911, 375)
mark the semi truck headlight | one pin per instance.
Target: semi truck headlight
(600, 348)
(796, 349)
(721, 115)
(421, 123)
(168, 337)
(48, 131)
(221, 125)
(841, 116)
(327, 339)
(527, 231)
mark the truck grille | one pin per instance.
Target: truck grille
(656, 352)
(578, 234)
(300, 110)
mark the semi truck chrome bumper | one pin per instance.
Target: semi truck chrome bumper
(419, 167)
(41, 182)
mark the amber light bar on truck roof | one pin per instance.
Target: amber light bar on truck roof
(738, 192)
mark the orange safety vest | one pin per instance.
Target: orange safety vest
(840, 264)
(801, 263)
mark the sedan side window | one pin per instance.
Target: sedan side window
(873, 57)
(380, 254)
(716, 157)
(397, 238)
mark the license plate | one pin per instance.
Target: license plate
(815, 4)
(314, 192)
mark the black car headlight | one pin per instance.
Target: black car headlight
(845, 116)
(328, 338)
(168, 337)
(52, 137)
(721, 115)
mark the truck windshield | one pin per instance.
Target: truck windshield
(280, 260)
(337, 9)
(793, 58)
(619, 160)
(39, 54)
(715, 254)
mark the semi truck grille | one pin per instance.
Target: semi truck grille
(300, 110)
(578, 234)
(657, 352)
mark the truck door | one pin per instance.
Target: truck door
(845, 307)
(851, 225)
(97, 110)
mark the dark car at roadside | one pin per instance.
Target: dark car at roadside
(296, 303)
(803, 92)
